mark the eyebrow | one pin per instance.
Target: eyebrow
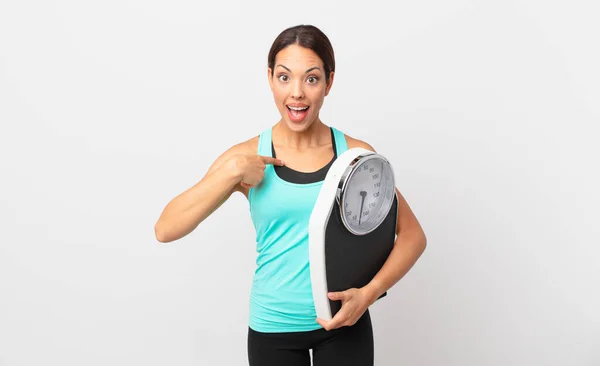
(307, 71)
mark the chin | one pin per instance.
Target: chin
(298, 126)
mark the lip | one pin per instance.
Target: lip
(297, 105)
(293, 118)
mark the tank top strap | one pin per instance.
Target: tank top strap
(264, 143)
(340, 141)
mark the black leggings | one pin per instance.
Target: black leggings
(345, 346)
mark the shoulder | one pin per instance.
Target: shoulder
(249, 146)
(353, 142)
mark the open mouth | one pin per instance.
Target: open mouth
(297, 114)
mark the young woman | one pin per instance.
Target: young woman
(290, 159)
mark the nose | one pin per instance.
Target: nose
(297, 90)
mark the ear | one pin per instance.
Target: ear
(330, 83)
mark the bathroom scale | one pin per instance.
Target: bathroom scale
(352, 227)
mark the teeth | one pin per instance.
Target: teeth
(297, 108)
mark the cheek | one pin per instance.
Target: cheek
(279, 92)
(317, 96)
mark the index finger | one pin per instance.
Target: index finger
(271, 160)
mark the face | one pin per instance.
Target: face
(298, 85)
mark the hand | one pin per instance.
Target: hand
(251, 168)
(354, 304)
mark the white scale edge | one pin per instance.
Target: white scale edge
(318, 224)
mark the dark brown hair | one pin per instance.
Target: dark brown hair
(307, 36)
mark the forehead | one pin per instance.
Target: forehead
(295, 56)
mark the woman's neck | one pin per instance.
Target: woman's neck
(316, 134)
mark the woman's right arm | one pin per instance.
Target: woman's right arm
(235, 170)
(187, 210)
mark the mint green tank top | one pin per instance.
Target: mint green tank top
(281, 297)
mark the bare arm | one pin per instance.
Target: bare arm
(187, 210)
(409, 245)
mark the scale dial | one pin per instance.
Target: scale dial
(366, 193)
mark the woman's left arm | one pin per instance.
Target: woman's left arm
(409, 246)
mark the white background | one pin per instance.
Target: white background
(489, 112)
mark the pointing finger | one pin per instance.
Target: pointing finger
(271, 160)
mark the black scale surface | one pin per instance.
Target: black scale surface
(353, 260)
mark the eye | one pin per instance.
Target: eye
(313, 79)
(283, 77)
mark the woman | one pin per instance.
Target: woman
(290, 159)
